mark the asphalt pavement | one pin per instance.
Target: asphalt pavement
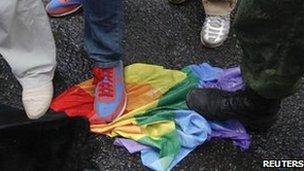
(157, 32)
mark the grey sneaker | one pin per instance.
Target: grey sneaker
(215, 30)
(176, 2)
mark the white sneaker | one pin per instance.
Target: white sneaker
(215, 30)
(36, 101)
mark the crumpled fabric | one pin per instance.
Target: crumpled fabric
(231, 129)
(156, 113)
(193, 131)
(214, 77)
(131, 145)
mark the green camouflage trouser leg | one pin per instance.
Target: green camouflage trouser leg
(271, 34)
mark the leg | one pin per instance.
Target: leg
(27, 44)
(103, 37)
(271, 35)
(103, 31)
(217, 22)
(219, 7)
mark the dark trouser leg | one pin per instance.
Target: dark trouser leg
(103, 31)
(271, 34)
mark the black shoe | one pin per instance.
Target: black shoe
(248, 107)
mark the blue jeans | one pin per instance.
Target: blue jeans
(103, 31)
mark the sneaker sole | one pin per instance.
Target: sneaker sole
(67, 13)
(212, 46)
(124, 108)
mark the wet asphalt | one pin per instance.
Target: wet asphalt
(157, 32)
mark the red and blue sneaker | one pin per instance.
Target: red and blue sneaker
(60, 8)
(110, 94)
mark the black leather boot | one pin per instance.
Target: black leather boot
(252, 110)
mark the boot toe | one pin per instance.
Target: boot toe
(196, 99)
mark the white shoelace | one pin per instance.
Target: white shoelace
(216, 28)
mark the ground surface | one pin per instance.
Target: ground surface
(159, 33)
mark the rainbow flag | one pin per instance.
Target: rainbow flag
(156, 102)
